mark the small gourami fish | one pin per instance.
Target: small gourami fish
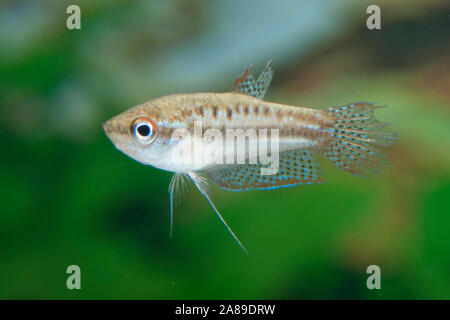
(346, 135)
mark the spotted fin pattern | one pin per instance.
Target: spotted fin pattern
(295, 168)
(353, 134)
(246, 84)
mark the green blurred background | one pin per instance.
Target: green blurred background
(68, 197)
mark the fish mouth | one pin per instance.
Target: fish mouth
(110, 134)
(108, 130)
(107, 127)
(114, 132)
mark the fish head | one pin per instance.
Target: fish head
(140, 134)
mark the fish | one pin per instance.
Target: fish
(280, 142)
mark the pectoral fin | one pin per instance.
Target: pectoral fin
(177, 189)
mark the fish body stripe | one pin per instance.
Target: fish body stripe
(236, 111)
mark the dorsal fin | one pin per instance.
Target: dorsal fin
(246, 84)
(295, 167)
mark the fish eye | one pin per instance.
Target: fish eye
(144, 130)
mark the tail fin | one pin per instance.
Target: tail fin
(353, 133)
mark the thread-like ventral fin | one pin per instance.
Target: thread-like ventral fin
(202, 184)
(246, 84)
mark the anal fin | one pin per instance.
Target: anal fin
(296, 167)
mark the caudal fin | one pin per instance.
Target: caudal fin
(354, 133)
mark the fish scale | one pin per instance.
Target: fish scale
(236, 111)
